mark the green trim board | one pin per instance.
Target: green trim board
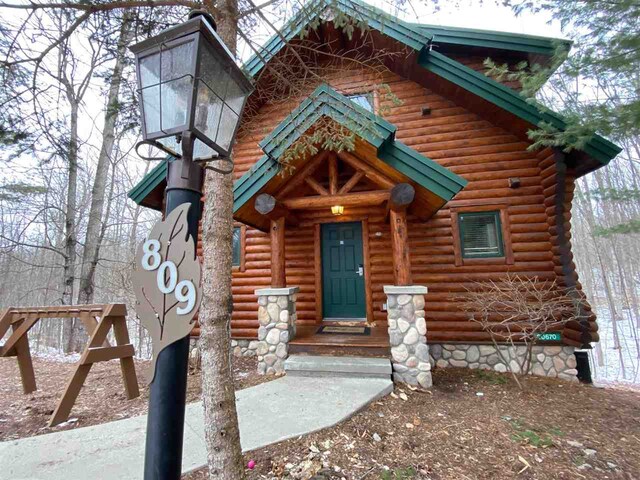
(325, 101)
(415, 36)
(377, 131)
(472, 37)
(375, 18)
(508, 99)
(149, 182)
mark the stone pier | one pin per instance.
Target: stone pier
(277, 317)
(407, 335)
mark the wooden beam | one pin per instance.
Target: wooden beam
(23, 354)
(352, 182)
(400, 248)
(278, 273)
(333, 174)
(313, 183)
(370, 172)
(298, 178)
(271, 208)
(358, 199)
(401, 197)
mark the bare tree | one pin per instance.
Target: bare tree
(517, 309)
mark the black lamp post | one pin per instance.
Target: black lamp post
(192, 95)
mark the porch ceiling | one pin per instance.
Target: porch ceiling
(377, 154)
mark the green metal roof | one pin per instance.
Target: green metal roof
(370, 127)
(416, 37)
(472, 37)
(326, 101)
(508, 99)
(150, 181)
(375, 18)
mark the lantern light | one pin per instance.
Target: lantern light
(337, 209)
(188, 81)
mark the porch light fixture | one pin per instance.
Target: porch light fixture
(191, 91)
(337, 209)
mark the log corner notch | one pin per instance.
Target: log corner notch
(401, 197)
(559, 182)
(278, 214)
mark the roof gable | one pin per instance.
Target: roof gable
(420, 38)
(371, 128)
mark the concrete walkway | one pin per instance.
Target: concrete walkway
(267, 413)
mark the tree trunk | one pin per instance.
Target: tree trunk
(222, 434)
(94, 224)
(71, 327)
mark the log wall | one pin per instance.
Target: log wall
(467, 144)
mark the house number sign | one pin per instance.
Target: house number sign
(166, 281)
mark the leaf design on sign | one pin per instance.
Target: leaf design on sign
(160, 312)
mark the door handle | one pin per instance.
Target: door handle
(360, 270)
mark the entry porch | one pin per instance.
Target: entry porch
(338, 225)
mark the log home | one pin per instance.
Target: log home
(437, 190)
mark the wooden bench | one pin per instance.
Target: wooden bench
(98, 320)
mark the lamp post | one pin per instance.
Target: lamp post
(192, 95)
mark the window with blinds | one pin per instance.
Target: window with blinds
(481, 234)
(235, 256)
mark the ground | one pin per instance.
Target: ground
(102, 398)
(471, 425)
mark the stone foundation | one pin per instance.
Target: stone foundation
(407, 335)
(277, 317)
(244, 348)
(547, 361)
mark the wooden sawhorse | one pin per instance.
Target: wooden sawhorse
(98, 320)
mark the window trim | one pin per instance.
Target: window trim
(371, 93)
(506, 258)
(241, 266)
(500, 242)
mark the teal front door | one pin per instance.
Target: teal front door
(342, 271)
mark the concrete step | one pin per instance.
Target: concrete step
(330, 366)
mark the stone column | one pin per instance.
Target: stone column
(407, 335)
(277, 317)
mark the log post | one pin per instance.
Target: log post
(333, 174)
(278, 273)
(400, 247)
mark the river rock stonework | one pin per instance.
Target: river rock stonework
(547, 361)
(244, 348)
(407, 335)
(277, 318)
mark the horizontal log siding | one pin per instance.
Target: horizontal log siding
(476, 62)
(471, 146)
